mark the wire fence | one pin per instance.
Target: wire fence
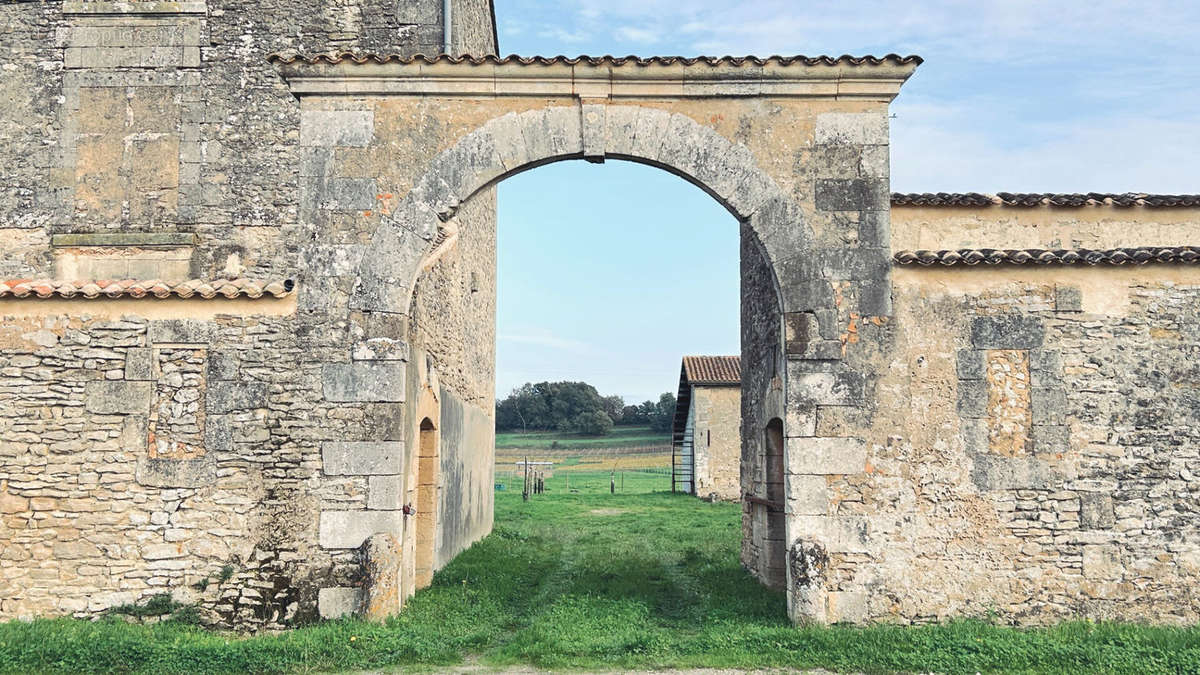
(609, 474)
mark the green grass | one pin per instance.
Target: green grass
(598, 581)
(621, 437)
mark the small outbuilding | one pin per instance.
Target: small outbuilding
(706, 447)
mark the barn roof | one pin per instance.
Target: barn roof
(711, 370)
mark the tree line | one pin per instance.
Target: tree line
(577, 407)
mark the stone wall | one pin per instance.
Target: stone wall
(1031, 446)
(717, 441)
(228, 451)
(167, 115)
(763, 551)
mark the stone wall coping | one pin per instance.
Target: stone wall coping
(155, 288)
(607, 77)
(1180, 255)
(143, 8)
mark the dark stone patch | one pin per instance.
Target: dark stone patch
(857, 194)
(971, 364)
(1012, 331)
(972, 398)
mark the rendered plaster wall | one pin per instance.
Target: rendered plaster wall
(1092, 227)
(717, 441)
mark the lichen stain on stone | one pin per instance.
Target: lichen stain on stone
(808, 562)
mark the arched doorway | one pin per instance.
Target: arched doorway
(405, 145)
(428, 496)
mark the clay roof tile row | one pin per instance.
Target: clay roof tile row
(513, 59)
(713, 369)
(1186, 255)
(131, 288)
(1032, 199)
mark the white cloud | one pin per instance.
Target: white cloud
(634, 34)
(1014, 94)
(938, 148)
(562, 35)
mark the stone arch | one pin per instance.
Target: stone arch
(422, 226)
(800, 364)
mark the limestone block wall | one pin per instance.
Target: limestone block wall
(154, 140)
(142, 456)
(1030, 443)
(717, 441)
(130, 116)
(764, 544)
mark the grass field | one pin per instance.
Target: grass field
(621, 437)
(598, 581)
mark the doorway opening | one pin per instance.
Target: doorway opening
(772, 507)
(427, 503)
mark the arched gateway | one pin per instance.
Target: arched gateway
(795, 148)
(247, 339)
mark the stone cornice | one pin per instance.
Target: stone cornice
(866, 78)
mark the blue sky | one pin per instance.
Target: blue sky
(609, 273)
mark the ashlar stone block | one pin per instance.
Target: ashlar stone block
(329, 128)
(181, 331)
(118, 397)
(852, 128)
(226, 396)
(349, 529)
(339, 602)
(847, 607)
(1096, 511)
(807, 495)
(139, 363)
(820, 455)
(359, 458)
(364, 381)
(841, 388)
(385, 492)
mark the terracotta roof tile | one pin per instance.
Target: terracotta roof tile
(1185, 255)
(713, 369)
(131, 288)
(360, 58)
(1032, 199)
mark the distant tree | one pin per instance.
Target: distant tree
(595, 423)
(614, 406)
(664, 413)
(571, 407)
(524, 409)
(632, 414)
(546, 405)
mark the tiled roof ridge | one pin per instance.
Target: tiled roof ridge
(721, 369)
(1033, 199)
(1186, 255)
(365, 57)
(154, 288)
